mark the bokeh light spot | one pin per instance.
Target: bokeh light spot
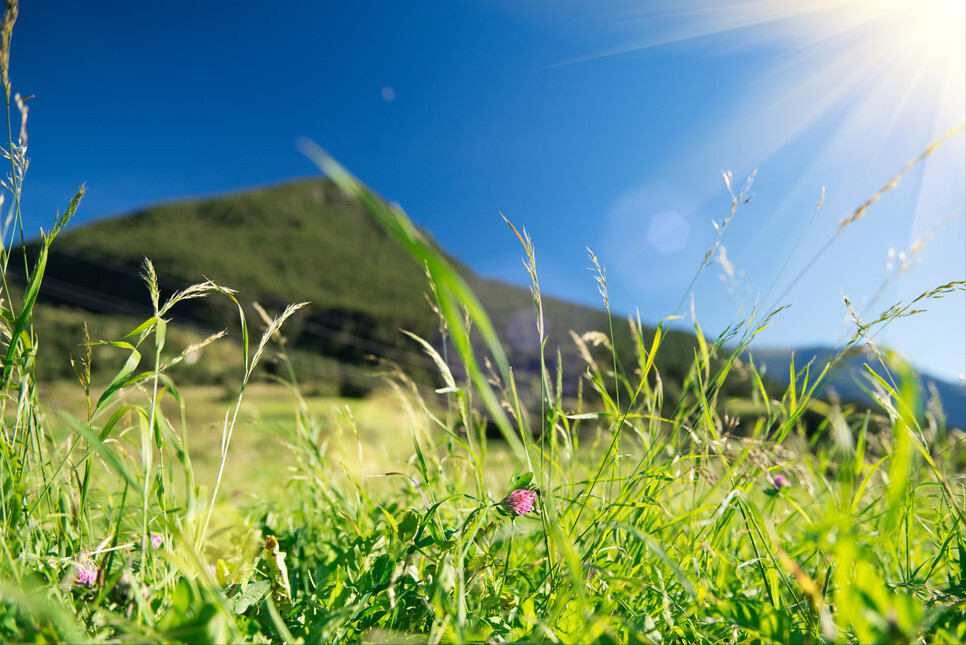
(668, 232)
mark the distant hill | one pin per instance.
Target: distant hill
(852, 382)
(295, 242)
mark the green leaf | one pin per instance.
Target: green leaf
(141, 330)
(279, 624)
(521, 481)
(29, 298)
(207, 625)
(378, 575)
(109, 426)
(251, 595)
(390, 519)
(961, 548)
(121, 378)
(408, 526)
(107, 454)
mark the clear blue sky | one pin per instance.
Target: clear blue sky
(605, 125)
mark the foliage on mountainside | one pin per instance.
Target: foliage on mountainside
(302, 241)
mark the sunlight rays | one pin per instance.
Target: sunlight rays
(825, 94)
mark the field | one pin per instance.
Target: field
(268, 414)
(135, 510)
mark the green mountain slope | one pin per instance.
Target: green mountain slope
(302, 241)
(298, 241)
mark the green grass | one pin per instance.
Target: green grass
(655, 518)
(267, 414)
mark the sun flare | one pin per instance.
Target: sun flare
(881, 63)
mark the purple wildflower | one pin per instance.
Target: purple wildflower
(781, 482)
(519, 502)
(156, 540)
(86, 575)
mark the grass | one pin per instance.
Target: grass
(410, 525)
(269, 409)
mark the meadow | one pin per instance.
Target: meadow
(135, 510)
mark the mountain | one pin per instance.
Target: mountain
(302, 241)
(851, 382)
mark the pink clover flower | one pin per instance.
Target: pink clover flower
(86, 575)
(519, 502)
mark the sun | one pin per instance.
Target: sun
(879, 61)
(868, 80)
(916, 51)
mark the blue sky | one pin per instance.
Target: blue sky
(603, 125)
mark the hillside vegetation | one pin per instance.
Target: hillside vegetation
(301, 241)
